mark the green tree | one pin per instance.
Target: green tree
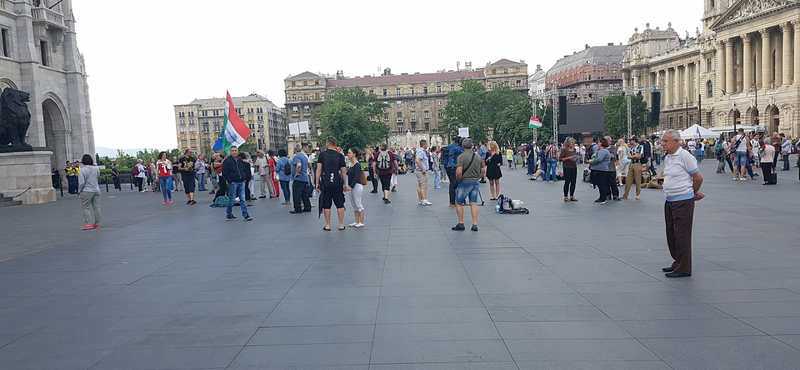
(616, 115)
(514, 119)
(544, 113)
(466, 108)
(352, 117)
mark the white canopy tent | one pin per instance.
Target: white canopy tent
(697, 132)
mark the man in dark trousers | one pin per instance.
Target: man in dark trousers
(453, 151)
(300, 181)
(682, 181)
(233, 170)
(332, 181)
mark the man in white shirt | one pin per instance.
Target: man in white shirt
(422, 167)
(262, 166)
(682, 181)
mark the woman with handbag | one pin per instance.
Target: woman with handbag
(356, 179)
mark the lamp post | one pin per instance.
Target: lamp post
(555, 113)
(756, 107)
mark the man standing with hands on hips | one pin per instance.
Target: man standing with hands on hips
(682, 181)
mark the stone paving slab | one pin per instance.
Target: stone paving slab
(570, 286)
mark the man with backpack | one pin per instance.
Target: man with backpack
(451, 153)
(332, 182)
(384, 164)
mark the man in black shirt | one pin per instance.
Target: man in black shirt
(186, 166)
(648, 155)
(332, 181)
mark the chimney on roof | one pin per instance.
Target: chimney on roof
(587, 46)
(387, 72)
(538, 67)
(610, 44)
(340, 74)
(468, 66)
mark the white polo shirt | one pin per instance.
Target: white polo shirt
(678, 171)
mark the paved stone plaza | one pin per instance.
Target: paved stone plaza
(570, 286)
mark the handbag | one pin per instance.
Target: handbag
(171, 184)
(363, 178)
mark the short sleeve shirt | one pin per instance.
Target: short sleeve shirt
(423, 157)
(470, 172)
(188, 165)
(303, 160)
(678, 171)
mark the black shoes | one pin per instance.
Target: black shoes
(459, 227)
(231, 218)
(263, 196)
(295, 212)
(600, 201)
(676, 274)
(668, 269)
(393, 190)
(374, 192)
(482, 181)
(248, 218)
(386, 201)
(474, 228)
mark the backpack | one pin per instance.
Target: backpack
(135, 170)
(444, 156)
(409, 155)
(221, 201)
(384, 160)
(287, 168)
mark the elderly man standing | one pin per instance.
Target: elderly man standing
(682, 181)
(262, 166)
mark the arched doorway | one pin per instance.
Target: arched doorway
(737, 117)
(753, 117)
(54, 133)
(773, 119)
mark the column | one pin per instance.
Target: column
(668, 92)
(766, 59)
(796, 58)
(677, 86)
(747, 59)
(786, 56)
(730, 87)
(687, 75)
(720, 59)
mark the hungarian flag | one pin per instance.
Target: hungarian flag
(535, 123)
(234, 132)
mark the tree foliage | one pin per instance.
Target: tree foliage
(616, 116)
(500, 114)
(352, 117)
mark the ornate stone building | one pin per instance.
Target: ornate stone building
(592, 67)
(416, 101)
(742, 69)
(199, 123)
(39, 55)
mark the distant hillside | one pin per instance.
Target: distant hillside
(112, 153)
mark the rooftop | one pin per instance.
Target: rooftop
(596, 54)
(405, 79)
(220, 102)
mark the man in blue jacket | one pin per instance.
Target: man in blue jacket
(453, 151)
(234, 170)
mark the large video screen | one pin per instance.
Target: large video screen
(584, 118)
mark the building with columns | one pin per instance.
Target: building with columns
(39, 55)
(416, 100)
(742, 69)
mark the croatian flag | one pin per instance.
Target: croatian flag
(535, 123)
(234, 132)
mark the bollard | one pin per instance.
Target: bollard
(106, 184)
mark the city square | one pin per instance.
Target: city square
(569, 286)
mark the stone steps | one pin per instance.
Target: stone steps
(8, 201)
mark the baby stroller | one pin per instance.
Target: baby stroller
(506, 205)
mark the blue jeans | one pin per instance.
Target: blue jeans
(531, 166)
(552, 166)
(467, 191)
(287, 194)
(165, 184)
(436, 177)
(657, 158)
(236, 189)
(201, 178)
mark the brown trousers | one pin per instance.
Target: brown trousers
(634, 175)
(679, 217)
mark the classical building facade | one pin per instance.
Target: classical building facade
(199, 123)
(742, 69)
(39, 55)
(416, 101)
(592, 67)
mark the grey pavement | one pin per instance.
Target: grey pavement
(570, 286)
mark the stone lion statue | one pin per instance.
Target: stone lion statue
(15, 118)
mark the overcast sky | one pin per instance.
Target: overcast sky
(145, 56)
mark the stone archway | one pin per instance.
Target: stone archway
(55, 133)
(773, 120)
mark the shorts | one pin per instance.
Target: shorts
(333, 195)
(622, 169)
(740, 159)
(394, 178)
(386, 181)
(422, 180)
(465, 189)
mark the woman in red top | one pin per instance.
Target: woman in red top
(165, 176)
(272, 164)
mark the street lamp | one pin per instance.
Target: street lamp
(555, 112)
(754, 88)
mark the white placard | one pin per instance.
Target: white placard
(463, 132)
(303, 127)
(293, 128)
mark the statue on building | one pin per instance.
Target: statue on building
(15, 118)
(408, 139)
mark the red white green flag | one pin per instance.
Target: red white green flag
(535, 123)
(235, 132)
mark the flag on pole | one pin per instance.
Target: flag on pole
(535, 123)
(699, 135)
(234, 131)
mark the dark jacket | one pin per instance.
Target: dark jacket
(234, 169)
(354, 175)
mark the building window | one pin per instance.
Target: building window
(6, 44)
(45, 49)
(438, 89)
(413, 116)
(427, 114)
(413, 127)
(494, 85)
(519, 83)
(294, 109)
(670, 122)
(399, 104)
(306, 108)
(680, 122)
(398, 91)
(191, 121)
(439, 114)
(293, 83)
(452, 87)
(411, 90)
(385, 92)
(438, 101)
(708, 65)
(399, 114)
(709, 89)
(425, 90)
(386, 116)
(709, 119)
(294, 97)
(427, 127)
(426, 102)
(691, 120)
(413, 103)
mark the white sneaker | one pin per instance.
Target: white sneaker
(353, 224)
(425, 202)
(735, 178)
(437, 187)
(358, 225)
(743, 178)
